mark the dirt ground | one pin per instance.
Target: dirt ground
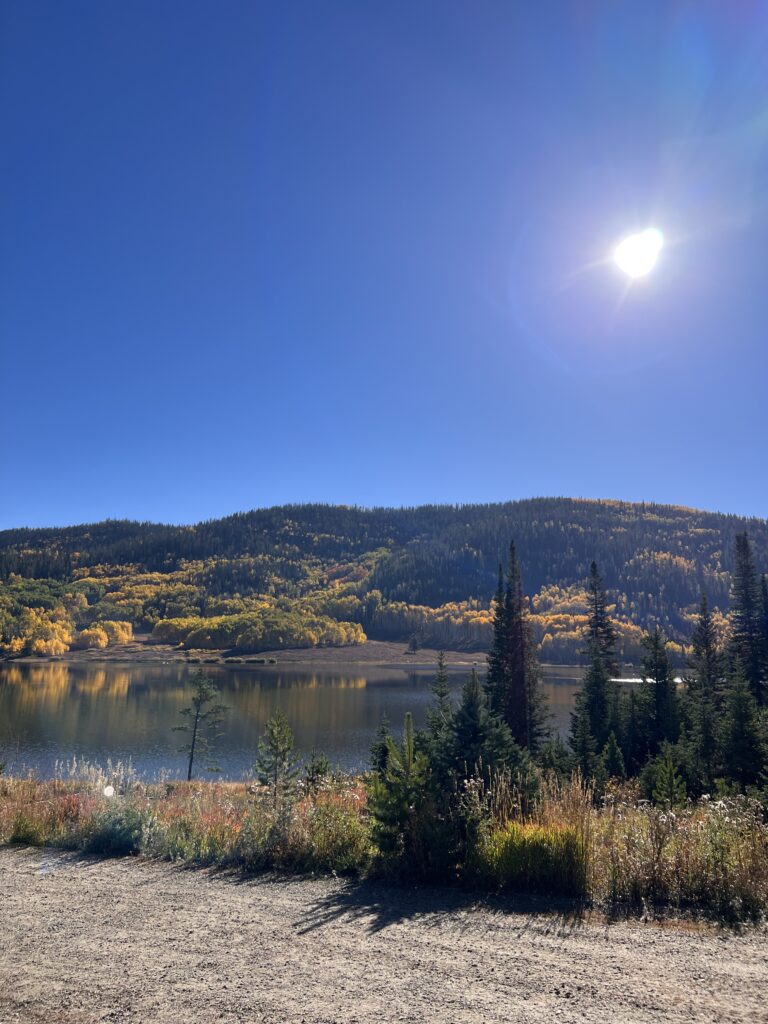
(85, 941)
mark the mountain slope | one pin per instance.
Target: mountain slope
(429, 570)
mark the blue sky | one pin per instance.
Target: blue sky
(253, 253)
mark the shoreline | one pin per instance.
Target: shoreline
(373, 654)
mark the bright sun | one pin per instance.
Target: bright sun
(636, 255)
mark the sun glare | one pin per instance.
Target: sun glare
(636, 255)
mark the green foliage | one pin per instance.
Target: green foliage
(116, 832)
(602, 636)
(669, 787)
(749, 642)
(744, 753)
(512, 681)
(316, 771)
(396, 798)
(659, 693)
(613, 766)
(276, 765)
(481, 741)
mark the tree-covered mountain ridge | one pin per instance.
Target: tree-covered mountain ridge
(300, 575)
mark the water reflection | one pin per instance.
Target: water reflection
(51, 712)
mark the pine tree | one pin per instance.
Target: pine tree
(613, 759)
(743, 740)
(659, 692)
(747, 635)
(380, 747)
(635, 735)
(276, 764)
(670, 787)
(601, 633)
(316, 770)
(705, 661)
(583, 744)
(480, 738)
(704, 702)
(395, 797)
(595, 697)
(440, 715)
(513, 679)
(203, 718)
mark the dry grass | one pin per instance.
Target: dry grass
(711, 856)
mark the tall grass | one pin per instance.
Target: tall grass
(711, 856)
(226, 824)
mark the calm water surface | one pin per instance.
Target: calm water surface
(52, 712)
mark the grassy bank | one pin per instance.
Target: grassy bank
(710, 857)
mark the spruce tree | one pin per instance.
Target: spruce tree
(659, 692)
(583, 744)
(594, 698)
(396, 796)
(635, 729)
(440, 715)
(599, 696)
(601, 633)
(669, 789)
(704, 702)
(481, 740)
(705, 661)
(613, 759)
(743, 739)
(747, 632)
(276, 763)
(513, 679)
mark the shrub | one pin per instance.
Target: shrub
(116, 832)
(534, 858)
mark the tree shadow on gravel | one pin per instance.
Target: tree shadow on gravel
(380, 905)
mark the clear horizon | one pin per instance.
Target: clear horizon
(361, 254)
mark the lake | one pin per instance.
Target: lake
(51, 712)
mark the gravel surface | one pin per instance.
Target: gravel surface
(134, 941)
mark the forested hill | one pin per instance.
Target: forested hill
(291, 574)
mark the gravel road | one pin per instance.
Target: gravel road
(86, 941)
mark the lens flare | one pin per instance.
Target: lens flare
(636, 255)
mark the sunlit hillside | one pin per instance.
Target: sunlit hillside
(307, 575)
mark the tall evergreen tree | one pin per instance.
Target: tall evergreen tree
(597, 703)
(513, 680)
(705, 661)
(704, 701)
(747, 633)
(659, 692)
(601, 632)
(440, 716)
(583, 743)
(743, 740)
(594, 699)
